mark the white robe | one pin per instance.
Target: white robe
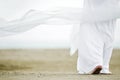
(93, 34)
(94, 42)
(95, 46)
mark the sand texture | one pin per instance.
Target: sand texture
(48, 64)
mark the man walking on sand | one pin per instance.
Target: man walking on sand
(93, 35)
(95, 41)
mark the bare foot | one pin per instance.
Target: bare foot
(105, 72)
(97, 70)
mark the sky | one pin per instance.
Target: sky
(44, 36)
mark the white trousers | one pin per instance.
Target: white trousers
(95, 45)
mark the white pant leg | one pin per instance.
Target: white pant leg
(90, 49)
(107, 56)
(108, 45)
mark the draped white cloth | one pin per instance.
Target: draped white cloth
(104, 10)
(94, 40)
(93, 26)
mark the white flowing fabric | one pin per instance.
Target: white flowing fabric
(103, 11)
(93, 30)
(30, 20)
(94, 41)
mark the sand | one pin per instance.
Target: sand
(48, 64)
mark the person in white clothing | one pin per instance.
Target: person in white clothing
(95, 42)
(93, 33)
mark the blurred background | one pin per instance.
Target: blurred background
(43, 36)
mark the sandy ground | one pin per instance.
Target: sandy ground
(48, 64)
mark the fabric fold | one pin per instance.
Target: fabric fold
(59, 16)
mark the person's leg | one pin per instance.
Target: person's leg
(106, 57)
(108, 45)
(90, 50)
